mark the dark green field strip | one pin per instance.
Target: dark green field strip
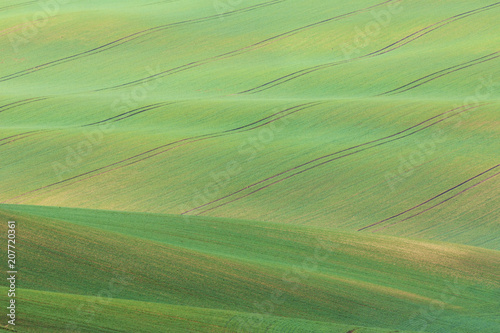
(487, 172)
(84, 259)
(243, 50)
(252, 241)
(428, 78)
(349, 284)
(302, 260)
(394, 46)
(319, 161)
(176, 144)
(129, 38)
(59, 312)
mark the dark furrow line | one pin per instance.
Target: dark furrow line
(429, 200)
(241, 51)
(440, 203)
(329, 155)
(323, 163)
(158, 148)
(129, 38)
(439, 72)
(381, 51)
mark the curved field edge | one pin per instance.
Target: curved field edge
(101, 314)
(264, 268)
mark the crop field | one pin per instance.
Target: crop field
(250, 165)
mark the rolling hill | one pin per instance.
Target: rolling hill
(252, 166)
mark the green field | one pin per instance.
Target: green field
(251, 166)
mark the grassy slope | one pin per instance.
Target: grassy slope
(199, 87)
(231, 265)
(136, 316)
(347, 193)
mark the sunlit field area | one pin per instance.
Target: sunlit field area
(250, 166)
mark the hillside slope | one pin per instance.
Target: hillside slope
(257, 111)
(250, 271)
(252, 166)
